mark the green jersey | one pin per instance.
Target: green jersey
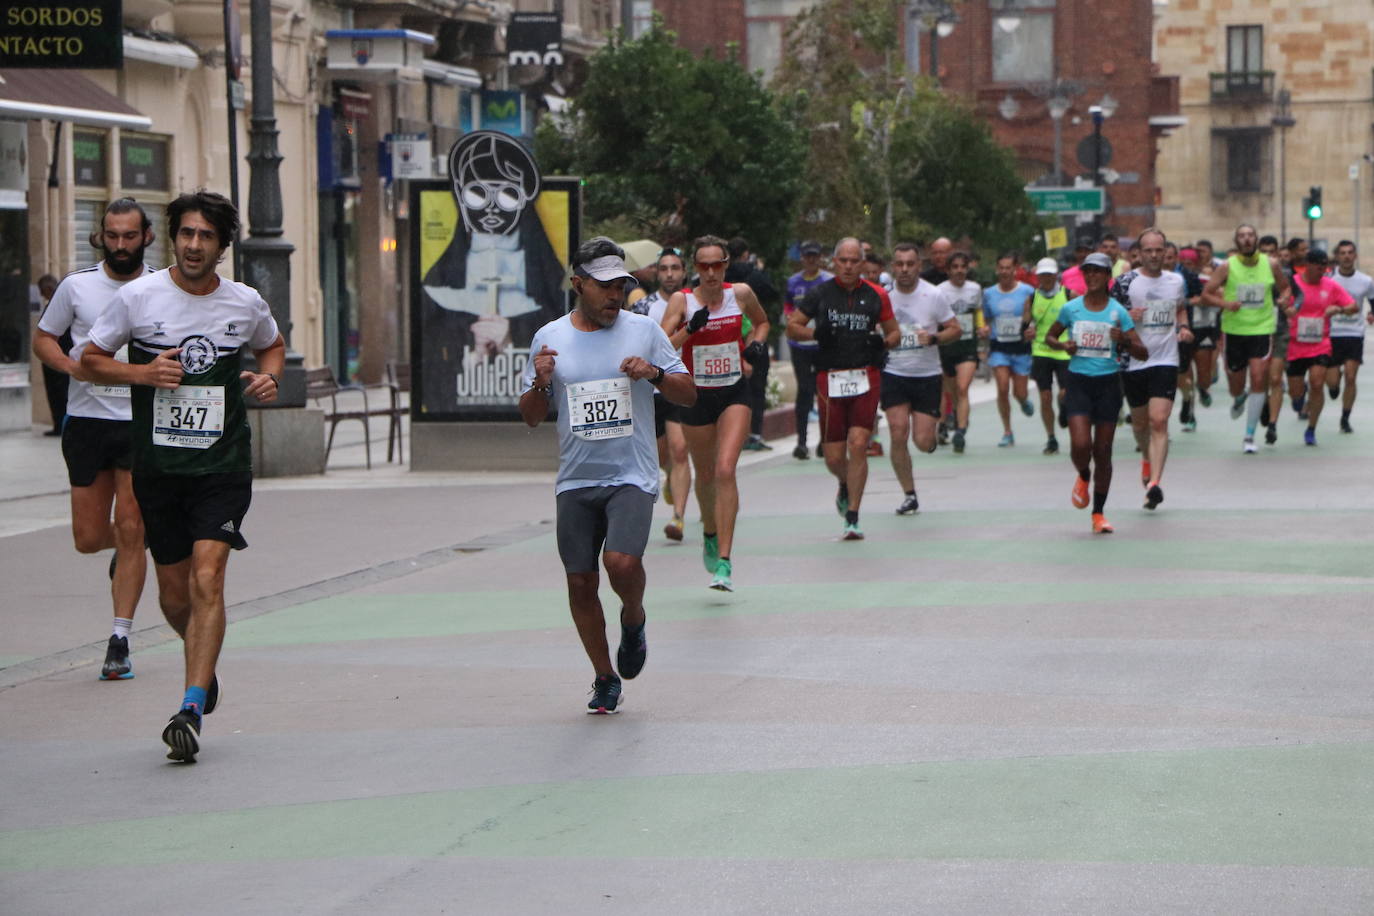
(1044, 312)
(1252, 285)
(200, 427)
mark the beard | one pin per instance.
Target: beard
(125, 263)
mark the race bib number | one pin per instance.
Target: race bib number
(965, 324)
(910, 339)
(1310, 329)
(1094, 339)
(1251, 295)
(1353, 325)
(847, 383)
(1160, 313)
(188, 416)
(716, 365)
(1008, 328)
(600, 409)
(1205, 316)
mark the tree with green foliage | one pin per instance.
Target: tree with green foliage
(891, 156)
(679, 145)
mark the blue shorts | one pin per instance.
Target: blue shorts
(1020, 363)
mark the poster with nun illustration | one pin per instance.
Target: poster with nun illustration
(489, 258)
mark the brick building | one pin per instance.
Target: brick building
(1240, 61)
(1014, 61)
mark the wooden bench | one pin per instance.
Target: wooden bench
(351, 402)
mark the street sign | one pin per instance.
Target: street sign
(1067, 200)
(1085, 152)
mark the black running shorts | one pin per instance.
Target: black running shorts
(1241, 348)
(179, 510)
(92, 445)
(1097, 397)
(1141, 385)
(711, 403)
(1047, 371)
(1347, 350)
(921, 394)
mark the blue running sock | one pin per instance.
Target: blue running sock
(1254, 406)
(195, 696)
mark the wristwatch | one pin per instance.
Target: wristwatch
(657, 378)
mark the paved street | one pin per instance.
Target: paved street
(980, 709)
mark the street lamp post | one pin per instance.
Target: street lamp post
(939, 18)
(266, 254)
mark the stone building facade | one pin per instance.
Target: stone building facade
(1236, 161)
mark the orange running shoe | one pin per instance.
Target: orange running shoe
(1079, 495)
(1144, 473)
(1101, 525)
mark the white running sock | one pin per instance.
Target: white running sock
(123, 626)
(1254, 406)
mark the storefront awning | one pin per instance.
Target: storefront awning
(64, 95)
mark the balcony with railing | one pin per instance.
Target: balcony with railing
(1243, 86)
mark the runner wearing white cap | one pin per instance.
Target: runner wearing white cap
(1048, 366)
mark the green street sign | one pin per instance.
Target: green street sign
(1067, 200)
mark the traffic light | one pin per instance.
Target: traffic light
(1312, 203)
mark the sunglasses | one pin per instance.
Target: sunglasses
(672, 251)
(712, 265)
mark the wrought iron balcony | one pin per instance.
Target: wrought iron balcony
(1245, 86)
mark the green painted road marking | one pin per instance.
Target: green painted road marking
(348, 618)
(1295, 806)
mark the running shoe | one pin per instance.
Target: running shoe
(1237, 406)
(820, 451)
(182, 736)
(1079, 494)
(721, 580)
(1248, 446)
(875, 450)
(1264, 414)
(1345, 426)
(673, 530)
(117, 666)
(1051, 446)
(1144, 473)
(1309, 436)
(1153, 497)
(605, 695)
(634, 649)
(1027, 407)
(801, 452)
(1101, 525)
(1007, 441)
(212, 694)
(1333, 392)
(710, 552)
(842, 500)
(755, 443)
(852, 532)
(1185, 413)
(1205, 397)
(1190, 425)
(1271, 434)
(958, 440)
(908, 506)
(1299, 403)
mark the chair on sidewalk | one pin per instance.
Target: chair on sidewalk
(320, 385)
(398, 377)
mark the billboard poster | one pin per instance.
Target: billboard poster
(489, 254)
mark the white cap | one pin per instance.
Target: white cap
(606, 268)
(1047, 266)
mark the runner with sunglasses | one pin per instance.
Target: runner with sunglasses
(707, 323)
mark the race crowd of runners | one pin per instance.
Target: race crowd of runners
(669, 381)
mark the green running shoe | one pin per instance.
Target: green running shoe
(721, 582)
(710, 552)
